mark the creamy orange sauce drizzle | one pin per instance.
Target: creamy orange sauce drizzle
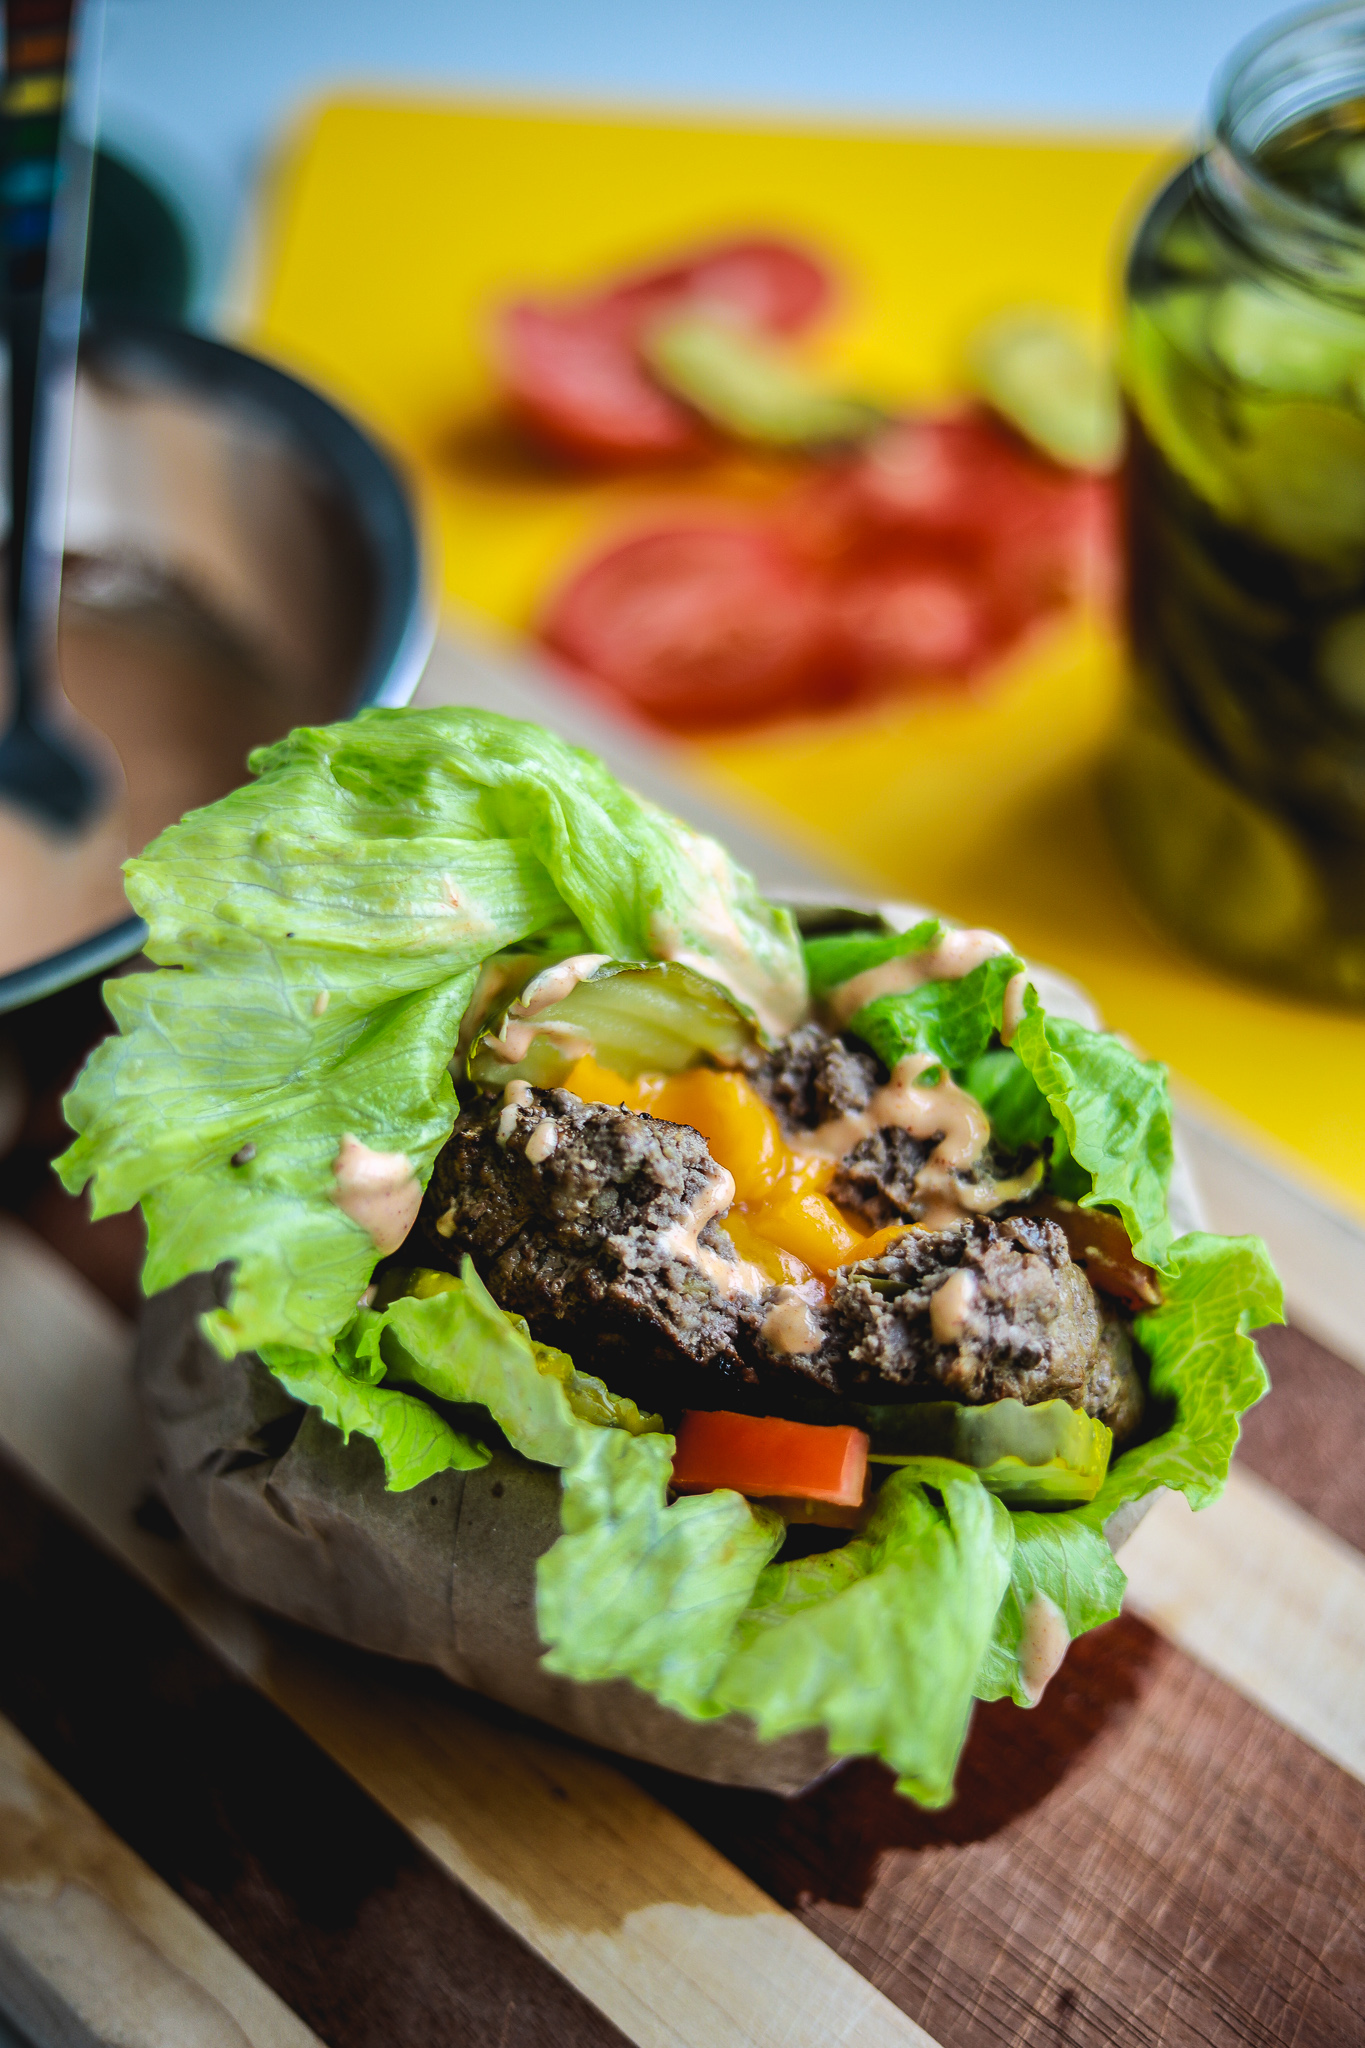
(959, 953)
(377, 1190)
(951, 1304)
(555, 983)
(1012, 1009)
(923, 1112)
(514, 1097)
(714, 1201)
(524, 1022)
(782, 1216)
(542, 1141)
(518, 1037)
(1042, 1645)
(956, 954)
(790, 1324)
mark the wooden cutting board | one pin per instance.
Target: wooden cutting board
(1170, 1849)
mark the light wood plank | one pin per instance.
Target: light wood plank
(95, 1951)
(1317, 1246)
(1264, 1596)
(635, 1909)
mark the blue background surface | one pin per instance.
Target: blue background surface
(195, 89)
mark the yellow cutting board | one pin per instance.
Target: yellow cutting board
(391, 229)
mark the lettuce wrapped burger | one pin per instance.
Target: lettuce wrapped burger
(832, 1270)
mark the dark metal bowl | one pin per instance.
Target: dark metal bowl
(309, 580)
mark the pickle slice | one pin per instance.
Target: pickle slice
(1219, 866)
(655, 1018)
(1050, 1455)
(1283, 342)
(1301, 469)
(1177, 395)
(750, 388)
(1040, 372)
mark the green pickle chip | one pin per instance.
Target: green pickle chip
(1049, 1455)
(1176, 394)
(633, 1017)
(1220, 866)
(1284, 342)
(749, 387)
(1041, 373)
(1301, 467)
(1254, 397)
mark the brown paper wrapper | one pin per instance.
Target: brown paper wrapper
(302, 1523)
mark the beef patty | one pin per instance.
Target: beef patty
(593, 1223)
(603, 1227)
(997, 1309)
(816, 1076)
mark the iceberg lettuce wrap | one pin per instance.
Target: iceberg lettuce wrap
(832, 1272)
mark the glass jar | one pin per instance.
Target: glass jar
(1237, 787)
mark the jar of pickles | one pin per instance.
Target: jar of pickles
(1237, 788)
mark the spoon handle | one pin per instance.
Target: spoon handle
(45, 205)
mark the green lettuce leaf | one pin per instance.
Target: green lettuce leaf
(413, 1440)
(1215, 1291)
(1205, 1365)
(882, 1643)
(319, 932)
(1067, 1560)
(879, 1643)
(1115, 1113)
(833, 958)
(954, 1020)
(451, 1338)
(639, 1589)
(1020, 1113)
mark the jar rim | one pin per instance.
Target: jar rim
(1297, 64)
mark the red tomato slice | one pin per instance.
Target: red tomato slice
(772, 285)
(696, 626)
(769, 1458)
(958, 484)
(573, 374)
(916, 620)
(573, 370)
(947, 540)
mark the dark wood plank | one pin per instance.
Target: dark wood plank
(1143, 1859)
(1308, 1436)
(274, 1846)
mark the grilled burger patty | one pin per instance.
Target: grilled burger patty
(596, 1241)
(604, 1228)
(814, 1077)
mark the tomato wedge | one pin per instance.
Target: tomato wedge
(573, 376)
(572, 369)
(955, 489)
(766, 1457)
(703, 625)
(917, 619)
(772, 285)
(1098, 1241)
(925, 558)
